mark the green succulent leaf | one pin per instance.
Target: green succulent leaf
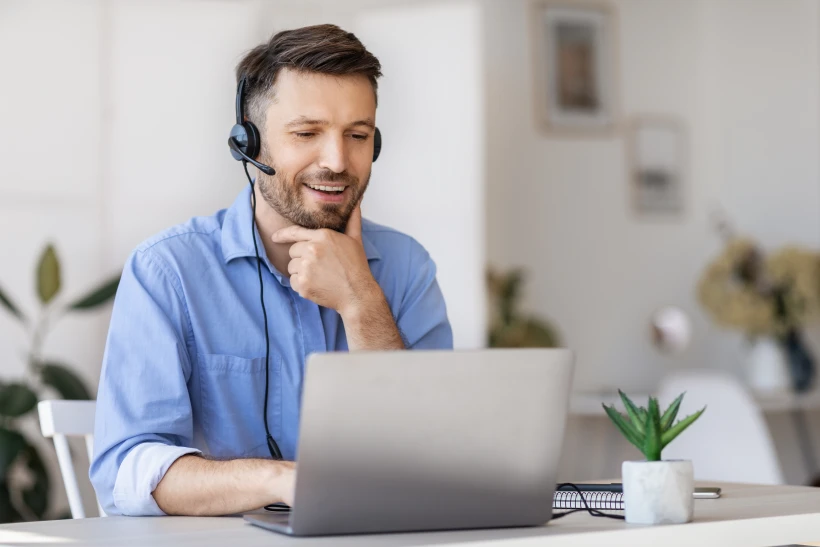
(11, 306)
(632, 411)
(677, 429)
(11, 443)
(48, 275)
(66, 382)
(671, 413)
(652, 442)
(625, 427)
(16, 399)
(98, 296)
(36, 495)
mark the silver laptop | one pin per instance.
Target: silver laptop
(427, 440)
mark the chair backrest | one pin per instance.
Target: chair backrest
(731, 441)
(62, 419)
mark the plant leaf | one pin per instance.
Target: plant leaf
(11, 307)
(625, 427)
(16, 399)
(652, 442)
(36, 496)
(671, 413)
(11, 443)
(632, 410)
(100, 295)
(678, 428)
(66, 382)
(48, 275)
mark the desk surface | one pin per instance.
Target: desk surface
(746, 515)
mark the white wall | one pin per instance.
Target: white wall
(429, 181)
(742, 76)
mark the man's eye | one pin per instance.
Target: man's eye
(304, 135)
(360, 137)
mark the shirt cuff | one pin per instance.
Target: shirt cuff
(140, 473)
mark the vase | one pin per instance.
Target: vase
(658, 492)
(767, 367)
(800, 361)
(780, 365)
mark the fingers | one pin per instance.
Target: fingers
(294, 233)
(300, 249)
(354, 223)
(294, 266)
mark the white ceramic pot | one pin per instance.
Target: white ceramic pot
(658, 492)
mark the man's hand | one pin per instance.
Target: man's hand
(330, 268)
(285, 482)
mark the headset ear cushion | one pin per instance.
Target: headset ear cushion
(377, 144)
(247, 137)
(240, 136)
(253, 139)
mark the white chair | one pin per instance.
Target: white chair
(62, 419)
(730, 441)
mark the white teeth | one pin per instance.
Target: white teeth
(327, 188)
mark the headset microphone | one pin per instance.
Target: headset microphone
(236, 148)
(244, 141)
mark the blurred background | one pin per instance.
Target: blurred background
(638, 180)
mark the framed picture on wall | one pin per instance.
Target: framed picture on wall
(575, 71)
(656, 147)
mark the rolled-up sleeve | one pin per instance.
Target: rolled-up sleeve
(143, 421)
(422, 318)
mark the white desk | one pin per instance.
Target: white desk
(746, 515)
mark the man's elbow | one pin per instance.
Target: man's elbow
(103, 484)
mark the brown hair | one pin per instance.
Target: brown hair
(325, 49)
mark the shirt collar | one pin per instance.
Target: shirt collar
(236, 237)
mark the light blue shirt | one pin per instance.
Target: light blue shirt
(184, 364)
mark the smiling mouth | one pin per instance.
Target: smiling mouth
(329, 189)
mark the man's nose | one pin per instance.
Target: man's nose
(334, 154)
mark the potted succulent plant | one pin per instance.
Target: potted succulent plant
(655, 491)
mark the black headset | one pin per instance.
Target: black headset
(245, 145)
(244, 141)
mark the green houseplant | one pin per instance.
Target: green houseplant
(509, 328)
(24, 480)
(772, 297)
(655, 491)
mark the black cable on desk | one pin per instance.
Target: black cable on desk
(591, 511)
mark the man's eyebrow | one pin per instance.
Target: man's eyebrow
(368, 122)
(305, 120)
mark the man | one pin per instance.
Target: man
(180, 426)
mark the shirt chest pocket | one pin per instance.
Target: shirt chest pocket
(233, 395)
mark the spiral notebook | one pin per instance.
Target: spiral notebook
(570, 499)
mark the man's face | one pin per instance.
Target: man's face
(318, 135)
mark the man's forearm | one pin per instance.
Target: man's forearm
(369, 324)
(200, 487)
